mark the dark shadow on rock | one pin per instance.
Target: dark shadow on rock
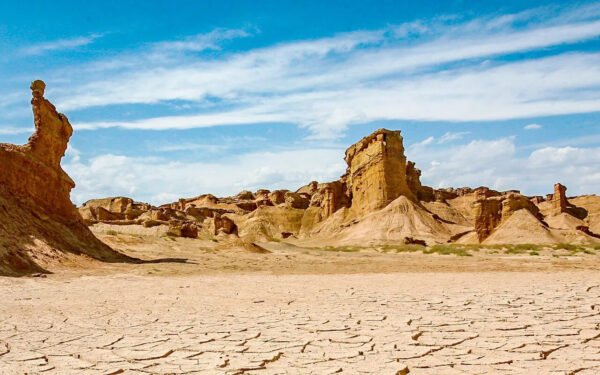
(579, 212)
(164, 260)
(29, 239)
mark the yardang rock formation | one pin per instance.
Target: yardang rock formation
(38, 222)
(379, 200)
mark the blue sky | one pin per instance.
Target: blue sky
(174, 99)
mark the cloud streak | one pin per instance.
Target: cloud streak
(59, 45)
(418, 71)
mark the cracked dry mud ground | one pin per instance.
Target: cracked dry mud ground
(429, 323)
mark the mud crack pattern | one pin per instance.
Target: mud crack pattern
(462, 323)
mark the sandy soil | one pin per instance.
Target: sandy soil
(304, 311)
(192, 257)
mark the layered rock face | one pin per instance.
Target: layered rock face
(487, 213)
(32, 172)
(493, 208)
(376, 173)
(37, 216)
(112, 209)
(330, 197)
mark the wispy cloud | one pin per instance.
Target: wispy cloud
(59, 45)
(532, 127)
(201, 42)
(9, 130)
(434, 70)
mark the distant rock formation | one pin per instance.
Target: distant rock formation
(379, 199)
(559, 199)
(491, 209)
(38, 223)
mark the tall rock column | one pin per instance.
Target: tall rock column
(38, 222)
(559, 199)
(376, 173)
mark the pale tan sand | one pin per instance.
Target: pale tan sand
(430, 323)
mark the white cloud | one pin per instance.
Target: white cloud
(157, 180)
(447, 137)
(515, 90)
(496, 163)
(327, 84)
(201, 42)
(8, 130)
(452, 136)
(532, 127)
(60, 44)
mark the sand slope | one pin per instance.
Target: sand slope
(520, 228)
(400, 219)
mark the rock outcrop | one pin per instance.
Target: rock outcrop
(491, 209)
(376, 173)
(559, 199)
(39, 225)
(488, 215)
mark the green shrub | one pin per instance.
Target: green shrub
(568, 247)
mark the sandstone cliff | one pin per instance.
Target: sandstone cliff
(38, 223)
(376, 173)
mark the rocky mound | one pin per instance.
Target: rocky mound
(39, 225)
(522, 227)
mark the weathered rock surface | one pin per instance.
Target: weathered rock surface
(376, 173)
(38, 223)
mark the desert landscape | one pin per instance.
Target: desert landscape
(372, 273)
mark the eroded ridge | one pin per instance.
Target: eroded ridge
(256, 324)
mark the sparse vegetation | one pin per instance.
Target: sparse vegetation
(448, 249)
(468, 249)
(521, 248)
(112, 232)
(569, 247)
(400, 248)
(574, 249)
(344, 249)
